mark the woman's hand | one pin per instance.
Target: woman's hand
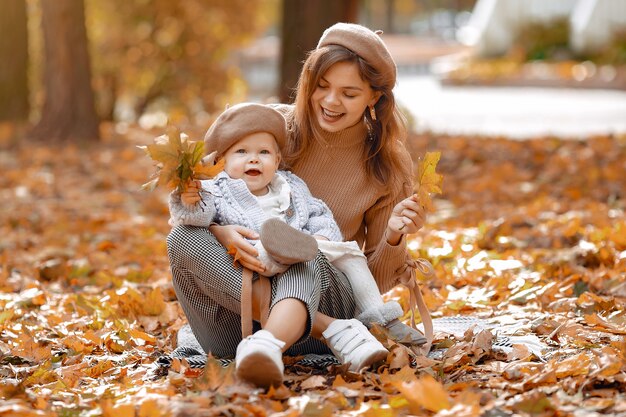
(232, 236)
(191, 196)
(408, 216)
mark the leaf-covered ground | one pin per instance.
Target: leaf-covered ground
(530, 232)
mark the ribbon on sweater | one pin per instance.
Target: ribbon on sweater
(265, 293)
(408, 279)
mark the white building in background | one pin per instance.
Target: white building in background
(494, 24)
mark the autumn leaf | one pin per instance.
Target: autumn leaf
(178, 160)
(32, 350)
(427, 180)
(314, 382)
(215, 375)
(150, 408)
(110, 409)
(425, 392)
(232, 251)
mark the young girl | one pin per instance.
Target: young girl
(346, 142)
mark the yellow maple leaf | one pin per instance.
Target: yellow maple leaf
(427, 180)
(206, 168)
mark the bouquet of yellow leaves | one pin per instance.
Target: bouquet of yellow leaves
(179, 160)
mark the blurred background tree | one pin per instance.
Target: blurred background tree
(302, 24)
(68, 109)
(13, 61)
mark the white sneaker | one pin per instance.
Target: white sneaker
(259, 359)
(352, 343)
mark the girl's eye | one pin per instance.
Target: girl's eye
(349, 96)
(240, 151)
(265, 152)
(322, 86)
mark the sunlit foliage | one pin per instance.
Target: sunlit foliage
(171, 55)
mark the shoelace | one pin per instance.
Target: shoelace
(408, 279)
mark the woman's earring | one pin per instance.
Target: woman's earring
(373, 113)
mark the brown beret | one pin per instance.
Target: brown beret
(366, 44)
(242, 120)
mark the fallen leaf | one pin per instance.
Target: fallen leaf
(314, 382)
(425, 392)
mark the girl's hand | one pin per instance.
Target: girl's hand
(408, 216)
(192, 195)
(232, 236)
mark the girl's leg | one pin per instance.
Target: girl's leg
(296, 296)
(208, 288)
(287, 321)
(333, 323)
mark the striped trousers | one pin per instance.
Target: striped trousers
(208, 288)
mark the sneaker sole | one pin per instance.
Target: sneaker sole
(260, 370)
(286, 244)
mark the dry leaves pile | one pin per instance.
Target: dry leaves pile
(531, 232)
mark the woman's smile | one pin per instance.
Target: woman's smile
(330, 115)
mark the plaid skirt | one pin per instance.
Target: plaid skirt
(208, 288)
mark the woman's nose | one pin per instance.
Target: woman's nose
(331, 97)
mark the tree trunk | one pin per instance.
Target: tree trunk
(69, 110)
(13, 61)
(303, 24)
(390, 13)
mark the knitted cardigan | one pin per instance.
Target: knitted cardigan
(228, 201)
(334, 170)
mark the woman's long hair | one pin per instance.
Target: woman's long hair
(382, 151)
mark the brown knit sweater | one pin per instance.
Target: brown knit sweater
(334, 170)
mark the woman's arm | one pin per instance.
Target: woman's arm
(234, 237)
(388, 223)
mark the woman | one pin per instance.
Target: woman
(345, 141)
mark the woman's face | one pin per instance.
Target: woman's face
(341, 97)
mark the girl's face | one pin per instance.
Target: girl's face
(254, 159)
(341, 97)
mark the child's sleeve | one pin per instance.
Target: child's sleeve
(320, 218)
(200, 214)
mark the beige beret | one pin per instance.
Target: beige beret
(366, 44)
(242, 120)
